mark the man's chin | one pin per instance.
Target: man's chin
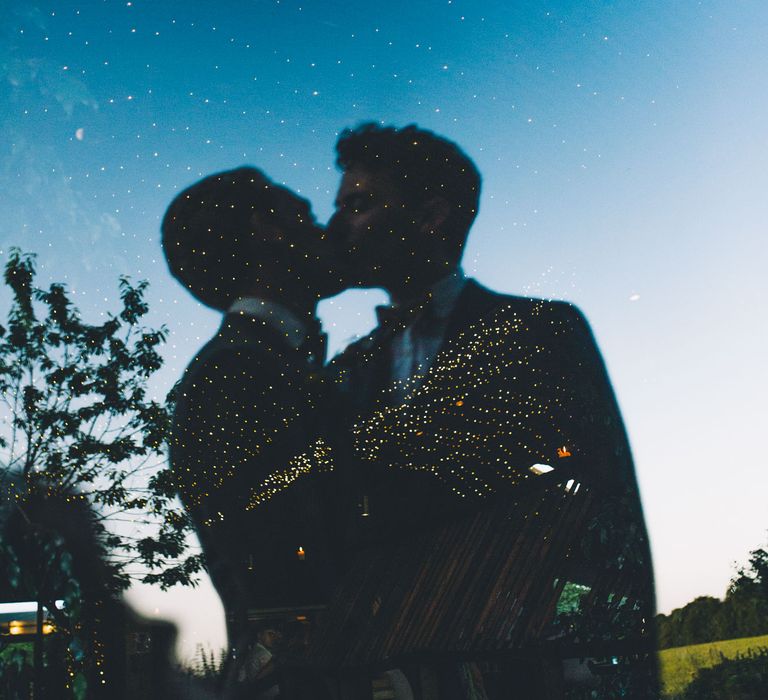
(326, 291)
(361, 271)
(345, 282)
(358, 281)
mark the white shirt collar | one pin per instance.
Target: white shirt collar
(442, 294)
(275, 314)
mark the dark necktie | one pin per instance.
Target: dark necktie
(314, 345)
(394, 319)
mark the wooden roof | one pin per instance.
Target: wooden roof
(486, 584)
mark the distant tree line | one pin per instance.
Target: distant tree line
(743, 612)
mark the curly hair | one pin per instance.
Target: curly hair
(424, 164)
(207, 233)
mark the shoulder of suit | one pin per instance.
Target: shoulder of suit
(495, 302)
(239, 340)
(489, 303)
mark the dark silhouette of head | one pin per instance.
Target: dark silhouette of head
(405, 205)
(237, 233)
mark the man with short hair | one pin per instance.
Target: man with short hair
(462, 394)
(404, 208)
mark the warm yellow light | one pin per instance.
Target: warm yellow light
(48, 628)
(300, 553)
(563, 452)
(15, 627)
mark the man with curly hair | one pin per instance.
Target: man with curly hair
(245, 448)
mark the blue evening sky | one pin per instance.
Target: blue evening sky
(623, 147)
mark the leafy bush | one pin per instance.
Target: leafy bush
(742, 678)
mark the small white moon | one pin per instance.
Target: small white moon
(80, 134)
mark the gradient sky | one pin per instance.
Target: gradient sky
(624, 151)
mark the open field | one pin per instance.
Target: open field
(680, 664)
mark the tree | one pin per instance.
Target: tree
(743, 613)
(86, 500)
(754, 576)
(747, 596)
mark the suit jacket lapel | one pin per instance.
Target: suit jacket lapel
(369, 366)
(474, 302)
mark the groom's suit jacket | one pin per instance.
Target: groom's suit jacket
(517, 387)
(517, 382)
(246, 452)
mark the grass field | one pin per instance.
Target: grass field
(680, 665)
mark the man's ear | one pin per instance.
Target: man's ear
(434, 214)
